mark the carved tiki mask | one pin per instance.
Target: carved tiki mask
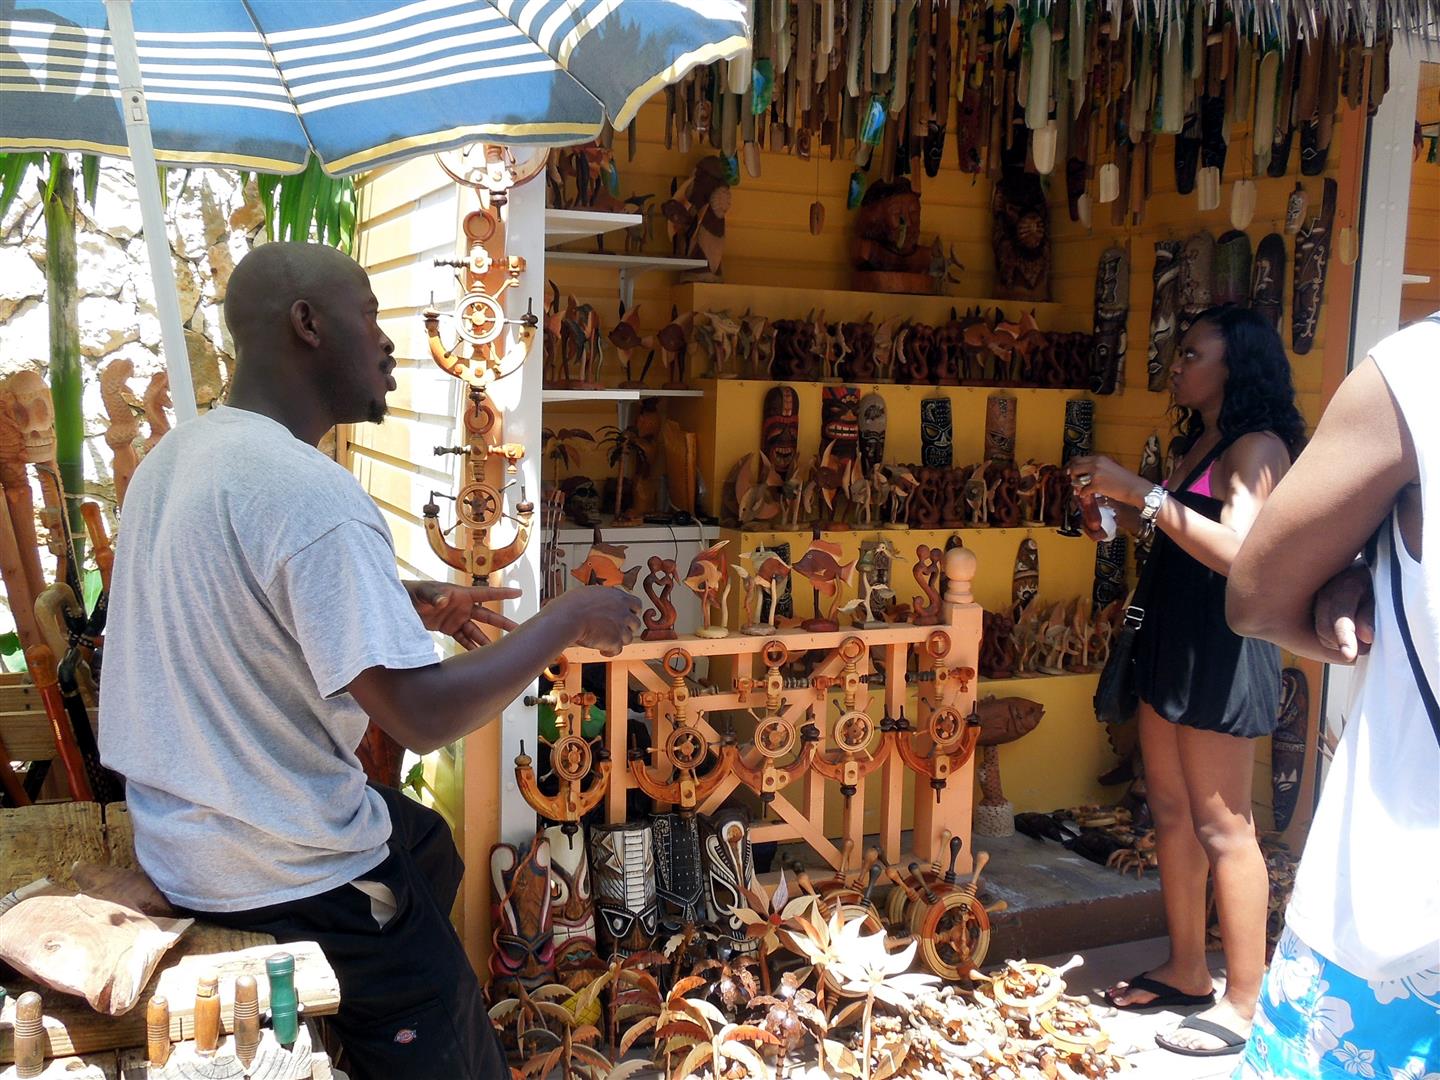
(937, 433)
(622, 863)
(1197, 278)
(1110, 584)
(523, 936)
(681, 881)
(1164, 310)
(1112, 309)
(840, 422)
(729, 868)
(1267, 279)
(1000, 427)
(1078, 441)
(1021, 237)
(780, 428)
(572, 910)
(872, 430)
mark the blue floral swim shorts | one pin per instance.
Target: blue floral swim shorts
(1317, 1021)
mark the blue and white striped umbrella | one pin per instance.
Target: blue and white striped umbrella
(262, 84)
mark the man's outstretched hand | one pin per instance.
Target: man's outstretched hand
(458, 611)
(604, 619)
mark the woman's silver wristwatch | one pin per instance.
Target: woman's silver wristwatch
(1154, 500)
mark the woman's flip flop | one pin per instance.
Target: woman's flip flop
(1233, 1042)
(1166, 996)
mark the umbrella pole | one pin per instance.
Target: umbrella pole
(152, 211)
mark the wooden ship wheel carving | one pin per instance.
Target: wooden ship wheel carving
(952, 737)
(685, 751)
(574, 759)
(776, 736)
(853, 732)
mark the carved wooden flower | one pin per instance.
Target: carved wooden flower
(767, 913)
(868, 967)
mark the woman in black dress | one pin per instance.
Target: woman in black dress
(1205, 693)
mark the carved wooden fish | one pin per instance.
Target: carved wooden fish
(709, 568)
(602, 567)
(821, 565)
(1004, 720)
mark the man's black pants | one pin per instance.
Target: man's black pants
(411, 1007)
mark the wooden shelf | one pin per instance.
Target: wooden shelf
(784, 303)
(565, 225)
(723, 386)
(1017, 682)
(932, 537)
(555, 396)
(638, 534)
(630, 264)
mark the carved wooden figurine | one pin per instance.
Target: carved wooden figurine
(886, 250)
(123, 428)
(768, 574)
(877, 557)
(695, 216)
(659, 583)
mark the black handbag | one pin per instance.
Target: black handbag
(1116, 699)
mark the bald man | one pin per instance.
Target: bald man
(257, 623)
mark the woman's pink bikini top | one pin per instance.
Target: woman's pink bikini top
(1201, 486)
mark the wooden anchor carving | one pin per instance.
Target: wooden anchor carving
(952, 737)
(482, 354)
(776, 736)
(479, 505)
(685, 748)
(853, 730)
(573, 758)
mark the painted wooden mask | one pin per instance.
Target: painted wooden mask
(840, 421)
(937, 433)
(729, 868)
(681, 881)
(780, 428)
(872, 430)
(524, 934)
(622, 864)
(572, 909)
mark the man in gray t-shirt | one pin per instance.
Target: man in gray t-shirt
(257, 624)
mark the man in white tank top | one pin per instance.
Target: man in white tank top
(1354, 987)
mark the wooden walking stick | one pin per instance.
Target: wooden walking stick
(41, 662)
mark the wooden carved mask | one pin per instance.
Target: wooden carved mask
(622, 862)
(523, 936)
(729, 865)
(571, 907)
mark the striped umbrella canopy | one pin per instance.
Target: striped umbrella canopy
(264, 84)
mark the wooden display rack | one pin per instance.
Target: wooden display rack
(801, 813)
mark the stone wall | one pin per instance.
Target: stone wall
(212, 224)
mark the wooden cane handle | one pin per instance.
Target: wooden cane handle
(157, 1030)
(981, 858)
(29, 1035)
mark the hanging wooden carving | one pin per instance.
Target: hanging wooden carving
(1164, 313)
(572, 909)
(485, 351)
(524, 939)
(1112, 310)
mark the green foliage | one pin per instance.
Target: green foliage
(308, 201)
(11, 654)
(14, 167)
(92, 587)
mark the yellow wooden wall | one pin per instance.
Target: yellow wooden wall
(1422, 245)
